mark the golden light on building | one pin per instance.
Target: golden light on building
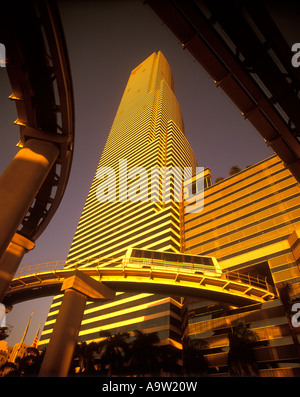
(148, 132)
(250, 224)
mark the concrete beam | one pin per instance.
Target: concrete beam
(19, 184)
(77, 289)
(11, 260)
(92, 289)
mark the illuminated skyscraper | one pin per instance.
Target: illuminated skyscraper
(250, 224)
(147, 132)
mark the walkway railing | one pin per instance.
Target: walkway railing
(259, 281)
(38, 268)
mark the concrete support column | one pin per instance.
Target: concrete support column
(19, 184)
(63, 339)
(11, 260)
(60, 350)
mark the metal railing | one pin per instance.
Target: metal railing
(258, 280)
(39, 268)
(144, 263)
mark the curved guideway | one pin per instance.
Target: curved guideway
(46, 279)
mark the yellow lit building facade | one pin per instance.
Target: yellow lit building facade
(147, 132)
(251, 224)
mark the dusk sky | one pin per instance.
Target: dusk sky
(106, 40)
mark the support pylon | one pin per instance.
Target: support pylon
(77, 289)
(19, 184)
(11, 260)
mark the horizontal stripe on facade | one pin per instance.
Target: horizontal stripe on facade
(161, 244)
(260, 259)
(119, 308)
(156, 311)
(104, 214)
(129, 227)
(129, 215)
(119, 300)
(241, 179)
(238, 208)
(159, 310)
(95, 249)
(249, 225)
(232, 200)
(249, 237)
(165, 332)
(285, 266)
(128, 303)
(244, 251)
(136, 231)
(131, 324)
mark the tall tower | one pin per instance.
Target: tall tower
(147, 132)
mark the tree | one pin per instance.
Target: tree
(241, 356)
(30, 363)
(234, 170)
(170, 357)
(85, 358)
(145, 352)
(194, 363)
(9, 369)
(114, 352)
(219, 179)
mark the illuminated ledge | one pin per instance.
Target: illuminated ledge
(224, 288)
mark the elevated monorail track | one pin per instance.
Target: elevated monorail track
(243, 50)
(232, 287)
(39, 73)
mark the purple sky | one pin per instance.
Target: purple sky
(106, 40)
